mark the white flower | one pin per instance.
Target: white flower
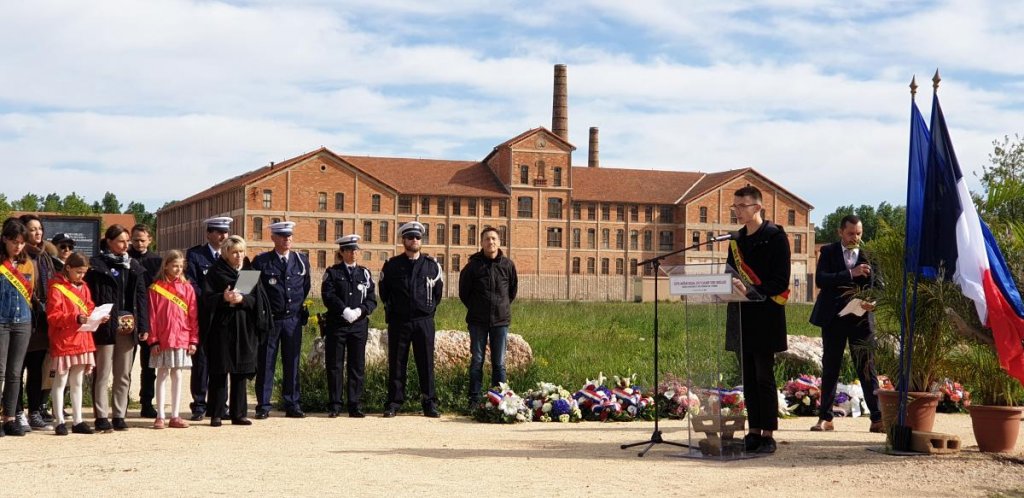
(669, 394)
(546, 408)
(563, 417)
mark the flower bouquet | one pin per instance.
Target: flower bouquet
(675, 399)
(596, 401)
(803, 395)
(635, 404)
(849, 400)
(552, 403)
(955, 399)
(502, 406)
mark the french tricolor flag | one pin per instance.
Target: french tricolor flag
(942, 219)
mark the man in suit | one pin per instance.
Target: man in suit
(842, 269)
(350, 297)
(199, 259)
(285, 277)
(139, 251)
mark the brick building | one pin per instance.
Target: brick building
(575, 232)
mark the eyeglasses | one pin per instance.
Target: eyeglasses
(65, 247)
(741, 206)
(410, 237)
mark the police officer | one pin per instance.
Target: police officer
(285, 277)
(199, 260)
(349, 294)
(410, 287)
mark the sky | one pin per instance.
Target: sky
(157, 100)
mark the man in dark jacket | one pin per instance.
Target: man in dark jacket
(760, 255)
(487, 286)
(411, 285)
(198, 262)
(139, 251)
(350, 297)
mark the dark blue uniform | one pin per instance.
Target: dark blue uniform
(342, 288)
(287, 285)
(410, 290)
(199, 260)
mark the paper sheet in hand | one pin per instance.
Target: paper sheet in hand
(854, 306)
(247, 280)
(93, 322)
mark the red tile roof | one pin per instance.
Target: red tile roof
(430, 176)
(631, 185)
(251, 176)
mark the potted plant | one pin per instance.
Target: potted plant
(996, 397)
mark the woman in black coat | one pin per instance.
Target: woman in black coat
(235, 323)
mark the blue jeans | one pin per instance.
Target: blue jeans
(13, 345)
(478, 338)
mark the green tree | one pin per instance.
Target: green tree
(1003, 181)
(141, 215)
(109, 204)
(96, 207)
(76, 205)
(51, 204)
(873, 219)
(5, 207)
(30, 202)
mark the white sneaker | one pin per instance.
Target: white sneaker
(21, 419)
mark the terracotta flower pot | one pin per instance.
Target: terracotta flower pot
(995, 427)
(921, 408)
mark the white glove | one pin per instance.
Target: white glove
(349, 315)
(356, 312)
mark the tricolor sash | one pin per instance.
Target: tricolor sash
(748, 276)
(170, 295)
(73, 297)
(17, 280)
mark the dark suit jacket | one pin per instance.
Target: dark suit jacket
(837, 287)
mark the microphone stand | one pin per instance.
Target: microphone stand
(655, 262)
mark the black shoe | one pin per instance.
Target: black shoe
(332, 414)
(36, 422)
(262, 413)
(390, 412)
(215, 422)
(61, 429)
(241, 421)
(767, 445)
(357, 413)
(147, 411)
(14, 428)
(103, 425)
(119, 424)
(196, 417)
(47, 416)
(431, 412)
(751, 442)
(81, 428)
(295, 413)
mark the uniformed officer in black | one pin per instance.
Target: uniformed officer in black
(410, 288)
(350, 295)
(285, 277)
(198, 260)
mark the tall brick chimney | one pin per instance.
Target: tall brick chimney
(560, 104)
(592, 155)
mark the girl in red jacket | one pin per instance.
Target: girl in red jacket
(174, 333)
(69, 304)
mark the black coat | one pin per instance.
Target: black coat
(233, 333)
(340, 291)
(767, 259)
(405, 288)
(837, 287)
(150, 261)
(126, 289)
(487, 287)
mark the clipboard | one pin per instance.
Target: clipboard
(247, 280)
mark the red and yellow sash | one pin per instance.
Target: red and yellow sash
(748, 276)
(168, 292)
(73, 297)
(17, 280)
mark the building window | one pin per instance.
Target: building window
(321, 230)
(703, 214)
(648, 240)
(321, 201)
(591, 238)
(606, 212)
(710, 236)
(620, 212)
(471, 235)
(634, 240)
(632, 266)
(555, 208)
(321, 259)
(634, 213)
(618, 266)
(576, 209)
(524, 174)
(275, 220)
(648, 270)
(557, 177)
(791, 217)
(591, 266)
(425, 205)
(257, 228)
(648, 213)
(665, 240)
(385, 231)
(267, 193)
(456, 235)
(472, 207)
(404, 204)
(367, 255)
(798, 243)
(455, 262)
(426, 234)
(525, 209)
(605, 238)
(456, 209)
(440, 260)
(441, 235)
(339, 229)
(620, 236)
(487, 207)
(375, 203)
(604, 266)
(503, 234)
(554, 237)
(339, 201)
(695, 237)
(591, 211)
(575, 238)
(576, 266)
(732, 217)
(367, 232)
(666, 214)
(384, 255)
(441, 203)
(502, 209)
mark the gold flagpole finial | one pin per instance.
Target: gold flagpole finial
(913, 87)
(935, 80)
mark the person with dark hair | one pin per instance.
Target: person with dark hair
(64, 245)
(349, 294)
(487, 286)
(41, 252)
(18, 278)
(842, 270)
(116, 278)
(139, 251)
(760, 255)
(198, 261)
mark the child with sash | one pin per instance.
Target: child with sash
(17, 280)
(174, 333)
(69, 304)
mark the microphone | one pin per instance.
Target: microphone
(725, 236)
